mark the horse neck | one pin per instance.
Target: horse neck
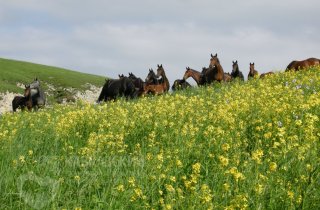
(196, 76)
(219, 67)
(163, 75)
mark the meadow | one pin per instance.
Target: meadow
(243, 145)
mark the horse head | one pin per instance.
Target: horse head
(235, 66)
(214, 60)
(151, 77)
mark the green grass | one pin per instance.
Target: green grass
(12, 72)
(242, 145)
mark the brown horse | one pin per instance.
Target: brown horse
(196, 75)
(297, 65)
(28, 98)
(215, 71)
(162, 74)
(155, 89)
(252, 72)
(266, 74)
(227, 77)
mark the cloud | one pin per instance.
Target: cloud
(112, 37)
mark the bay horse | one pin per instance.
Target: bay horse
(29, 101)
(266, 74)
(161, 73)
(215, 71)
(180, 84)
(303, 64)
(154, 89)
(227, 77)
(114, 88)
(196, 75)
(252, 72)
(236, 73)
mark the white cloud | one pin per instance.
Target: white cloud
(112, 37)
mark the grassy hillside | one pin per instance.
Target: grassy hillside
(243, 145)
(12, 72)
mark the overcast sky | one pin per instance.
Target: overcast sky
(112, 37)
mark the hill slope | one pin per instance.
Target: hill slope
(13, 72)
(59, 84)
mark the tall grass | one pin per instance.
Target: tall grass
(252, 145)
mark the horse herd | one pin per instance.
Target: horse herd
(155, 83)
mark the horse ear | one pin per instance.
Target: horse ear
(161, 65)
(216, 55)
(158, 65)
(253, 63)
(211, 55)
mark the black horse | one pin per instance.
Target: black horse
(114, 88)
(180, 84)
(19, 102)
(236, 73)
(152, 78)
(138, 83)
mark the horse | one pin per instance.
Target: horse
(152, 78)
(236, 73)
(138, 83)
(196, 75)
(37, 94)
(266, 74)
(114, 88)
(215, 71)
(227, 77)
(161, 73)
(154, 89)
(18, 102)
(28, 100)
(252, 72)
(180, 84)
(297, 65)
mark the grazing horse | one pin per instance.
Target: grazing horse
(138, 84)
(297, 65)
(154, 89)
(152, 78)
(196, 75)
(215, 71)
(161, 73)
(114, 88)
(37, 94)
(180, 84)
(18, 102)
(266, 74)
(227, 77)
(236, 73)
(252, 72)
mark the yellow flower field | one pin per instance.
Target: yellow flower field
(243, 145)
